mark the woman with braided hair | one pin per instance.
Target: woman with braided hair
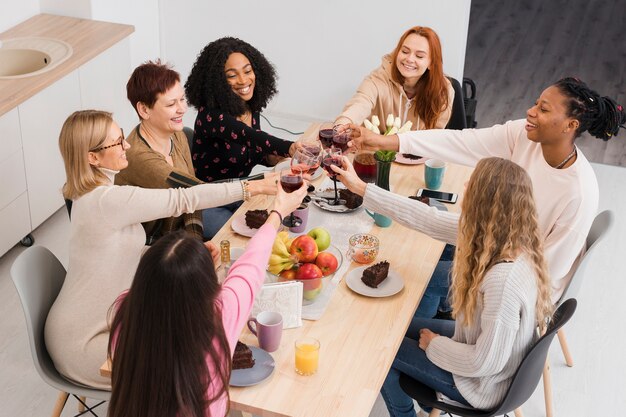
(564, 184)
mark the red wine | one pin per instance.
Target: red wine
(312, 149)
(365, 167)
(341, 141)
(326, 137)
(328, 162)
(291, 183)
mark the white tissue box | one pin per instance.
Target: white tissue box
(282, 297)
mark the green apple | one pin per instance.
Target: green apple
(321, 237)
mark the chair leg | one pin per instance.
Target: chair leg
(547, 388)
(518, 412)
(566, 353)
(81, 407)
(58, 406)
(434, 413)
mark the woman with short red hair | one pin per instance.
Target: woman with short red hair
(409, 84)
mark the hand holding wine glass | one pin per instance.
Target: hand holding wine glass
(332, 156)
(291, 180)
(342, 134)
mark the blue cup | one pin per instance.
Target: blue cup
(379, 219)
(434, 169)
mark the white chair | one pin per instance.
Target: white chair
(600, 227)
(38, 277)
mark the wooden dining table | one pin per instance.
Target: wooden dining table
(359, 335)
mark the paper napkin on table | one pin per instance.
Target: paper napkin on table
(282, 297)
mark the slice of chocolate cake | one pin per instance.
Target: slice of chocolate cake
(256, 218)
(375, 274)
(411, 156)
(243, 357)
(352, 200)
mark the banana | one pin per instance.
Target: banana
(279, 263)
(279, 248)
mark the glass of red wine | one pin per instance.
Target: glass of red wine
(326, 135)
(305, 161)
(341, 136)
(291, 180)
(332, 156)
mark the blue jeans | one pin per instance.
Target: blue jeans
(436, 295)
(412, 360)
(214, 218)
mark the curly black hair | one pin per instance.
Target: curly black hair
(207, 85)
(602, 117)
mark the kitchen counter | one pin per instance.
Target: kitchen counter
(88, 39)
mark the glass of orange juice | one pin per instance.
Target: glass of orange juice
(307, 355)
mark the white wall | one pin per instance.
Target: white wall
(321, 49)
(14, 12)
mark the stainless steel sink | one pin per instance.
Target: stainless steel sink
(25, 57)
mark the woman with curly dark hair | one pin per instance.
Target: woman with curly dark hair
(230, 83)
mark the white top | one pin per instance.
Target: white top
(106, 242)
(482, 357)
(567, 199)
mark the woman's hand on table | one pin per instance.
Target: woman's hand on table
(285, 203)
(347, 175)
(426, 336)
(213, 250)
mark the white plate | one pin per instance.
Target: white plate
(407, 161)
(287, 164)
(326, 190)
(240, 227)
(263, 367)
(390, 286)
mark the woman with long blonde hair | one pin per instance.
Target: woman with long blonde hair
(500, 287)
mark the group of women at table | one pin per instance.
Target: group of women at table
(171, 327)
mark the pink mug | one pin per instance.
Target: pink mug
(268, 328)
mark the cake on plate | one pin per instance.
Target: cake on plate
(256, 218)
(242, 358)
(375, 274)
(352, 200)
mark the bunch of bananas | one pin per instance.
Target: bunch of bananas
(281, 259)
(393, 125)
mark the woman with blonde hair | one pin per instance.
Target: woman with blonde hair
(500, 287)
(107, 239)
(409, 84)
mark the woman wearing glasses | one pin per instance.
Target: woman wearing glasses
(107, 239)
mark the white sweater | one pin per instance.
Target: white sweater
(567, 199)
(106, 242)
(484, 356)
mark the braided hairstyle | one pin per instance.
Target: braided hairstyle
(600, 116)
(207, 85)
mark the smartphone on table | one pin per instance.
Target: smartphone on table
(442, 196)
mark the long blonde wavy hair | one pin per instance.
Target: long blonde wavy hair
(498, 222)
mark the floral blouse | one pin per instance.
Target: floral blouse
(224, 147)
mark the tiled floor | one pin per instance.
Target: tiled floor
(594, 386)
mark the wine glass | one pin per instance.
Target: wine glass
(326, 135)
(291, 180)
(341, 136)
(306, 161)
(332, 156)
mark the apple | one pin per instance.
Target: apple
(305, 248)
(308, 272)
(321, 237)
(312, 294)
(287, 275)
(327, 262)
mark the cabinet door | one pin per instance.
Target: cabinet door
(41, 119)
(103, 84)
(14, 223)
(12, 178)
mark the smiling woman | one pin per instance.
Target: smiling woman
(230, 83)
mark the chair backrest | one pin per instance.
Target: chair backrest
(38, 277)
(600, 227)
(189, 132)
(530, 370)
(457, 118)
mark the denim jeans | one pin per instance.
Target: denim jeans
(436, 295)
(214, 218)
(412, 360)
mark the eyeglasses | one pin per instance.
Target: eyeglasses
(121, 141)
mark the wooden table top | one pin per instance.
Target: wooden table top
(359, 335)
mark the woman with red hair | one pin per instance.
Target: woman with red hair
(409, 84)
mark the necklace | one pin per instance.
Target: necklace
(570, 156)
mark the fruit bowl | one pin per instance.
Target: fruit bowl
(312, 287)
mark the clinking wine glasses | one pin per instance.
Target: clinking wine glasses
(291, 180)
(332, 156)
(306, 161)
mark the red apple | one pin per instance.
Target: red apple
(305, 248)
(287, 275)
(327, 262)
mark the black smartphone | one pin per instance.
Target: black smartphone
(438, 195)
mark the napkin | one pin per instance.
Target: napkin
(282, 297)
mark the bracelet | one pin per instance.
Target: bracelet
(245, 187)
(280, 216)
